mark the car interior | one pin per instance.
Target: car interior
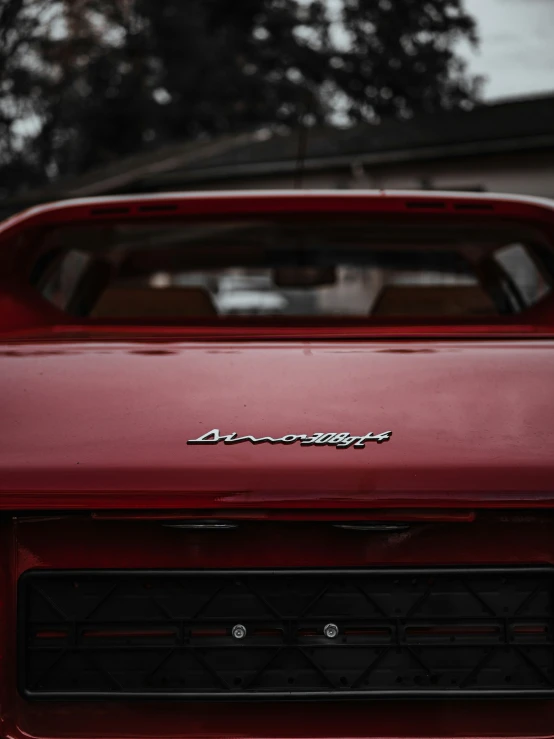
(346, 269)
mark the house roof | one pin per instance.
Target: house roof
(514, 125)
(505, 126)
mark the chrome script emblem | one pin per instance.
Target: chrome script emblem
(339, 441)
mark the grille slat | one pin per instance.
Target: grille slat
(402, 632)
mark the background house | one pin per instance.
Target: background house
(502, 147)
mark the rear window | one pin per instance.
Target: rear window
(297, 269)
(520, 266)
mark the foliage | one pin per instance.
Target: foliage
(83, 82)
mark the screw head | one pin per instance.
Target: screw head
(331, 631)
(238, 631)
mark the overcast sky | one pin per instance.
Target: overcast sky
(516, 53)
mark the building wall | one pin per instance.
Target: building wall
(516, 173)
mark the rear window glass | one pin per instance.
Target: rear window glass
(297, 269)
(61, 282)
(522, 269)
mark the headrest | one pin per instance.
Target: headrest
(433, 300)
(148, 302)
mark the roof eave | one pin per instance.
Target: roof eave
(315, 164)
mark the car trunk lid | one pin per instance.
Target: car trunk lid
(106, 424)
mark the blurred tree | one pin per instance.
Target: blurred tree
(83, 82)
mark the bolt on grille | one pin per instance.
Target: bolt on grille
(286, 634)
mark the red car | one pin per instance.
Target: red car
(278, 465)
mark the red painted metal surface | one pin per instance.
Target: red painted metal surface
(425, 515)
(105, 425)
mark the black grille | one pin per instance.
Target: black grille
(169, 634)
